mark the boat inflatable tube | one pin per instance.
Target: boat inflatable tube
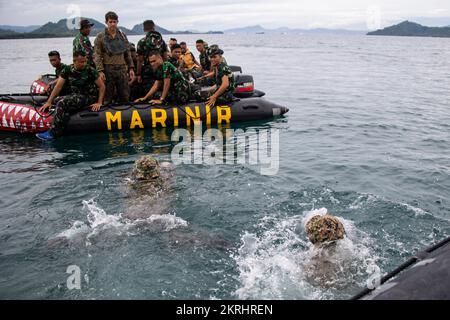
(20, 114)
(426, 276)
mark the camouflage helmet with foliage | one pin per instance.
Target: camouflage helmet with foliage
(145, 168)
(214, 49)
(323, 229)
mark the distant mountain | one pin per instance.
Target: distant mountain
(58, 29)
(412, 29)
(260, 30)
(19, 29)
(198, 32)
(7, 32)
(249, 29)
(139, 29)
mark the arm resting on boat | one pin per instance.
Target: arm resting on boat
(55, 93)
(151, 92)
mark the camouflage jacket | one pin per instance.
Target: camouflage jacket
(204, 61)
(224, 70)
(81, 81)
(175, 62)
(83, 44)
(168, 70)
(151, 42)
(60, 69)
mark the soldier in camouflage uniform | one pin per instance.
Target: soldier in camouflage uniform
(175, 55)
(205, 63)
(81, 43)
(83, 81)
(223, 78)
(55, 60)
(153, 41)
(175, 87)
(324, 229)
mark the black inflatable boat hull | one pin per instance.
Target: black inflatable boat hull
(20, 114)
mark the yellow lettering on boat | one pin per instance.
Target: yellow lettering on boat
(208, 115)
(136, 120)
(117, 117)
(190, 115)
(161, 119)
(175, 117)
(223, 114)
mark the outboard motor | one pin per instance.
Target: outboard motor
(245, 86)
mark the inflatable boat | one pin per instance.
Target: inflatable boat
(426, 276)
(19, 112)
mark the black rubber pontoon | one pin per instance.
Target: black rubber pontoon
(426, 276)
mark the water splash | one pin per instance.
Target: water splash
(99, 223)
(278, 261)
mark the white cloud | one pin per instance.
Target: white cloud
(219, 15)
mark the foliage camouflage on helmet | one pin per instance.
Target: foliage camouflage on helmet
(322, 229)
(214, 49)
(146, 168)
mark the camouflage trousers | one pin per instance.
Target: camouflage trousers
(116, 83)
(67, 106)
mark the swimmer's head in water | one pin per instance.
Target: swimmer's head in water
(146, 168)
(323, 229)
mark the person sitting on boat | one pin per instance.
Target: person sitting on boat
(175, 56)
(223, 77)
(189, 64)
(83, 81)
(205, 63)
(175, 87)
(82, 42)
(188, 57)
(172, 41)
(55, 60)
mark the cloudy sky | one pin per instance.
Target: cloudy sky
(219, 15)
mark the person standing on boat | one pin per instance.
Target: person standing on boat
(153, 41)
(175, 87)
(223, 78)
(113, 60)
(86, 88)
(82, 42)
